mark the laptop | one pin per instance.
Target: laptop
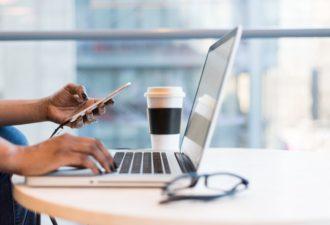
(146, 168)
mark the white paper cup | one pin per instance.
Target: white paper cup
(164, 115)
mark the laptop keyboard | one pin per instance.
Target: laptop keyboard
(165, 161)
(147, 162)
(142, 162)
(118, 158)
(126, 162)
(137, 162)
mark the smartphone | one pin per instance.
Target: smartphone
(95, 105)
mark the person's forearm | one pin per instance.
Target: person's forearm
(14, 112)
(8, 152)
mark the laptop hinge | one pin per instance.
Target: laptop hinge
(185, 163)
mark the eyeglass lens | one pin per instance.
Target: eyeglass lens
(222, 182)
(180, 183)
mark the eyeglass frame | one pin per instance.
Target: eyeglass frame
(172, 196)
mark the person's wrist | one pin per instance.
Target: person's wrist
(14, 159)
(22, 160)
(43, 108)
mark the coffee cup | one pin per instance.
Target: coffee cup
(164, 116)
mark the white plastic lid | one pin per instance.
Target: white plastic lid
(163, 92)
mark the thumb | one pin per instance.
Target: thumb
(78, 91)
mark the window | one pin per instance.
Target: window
(276, 98)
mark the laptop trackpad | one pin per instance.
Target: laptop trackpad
(71, 172)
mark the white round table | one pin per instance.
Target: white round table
(285, 188)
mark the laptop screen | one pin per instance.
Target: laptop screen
(207, 95)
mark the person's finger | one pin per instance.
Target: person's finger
(86, 122)
(90, 122)
(105, 152)
(90, 146)
(92, 101)
(81, 91)
(77, 98)
(78, 123)
(88, 163)
(83, 160)
(100, 110)
(97, 111)
(110, 102)
(78, 92)
(90, 117)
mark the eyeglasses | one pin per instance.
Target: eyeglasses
(215, 185)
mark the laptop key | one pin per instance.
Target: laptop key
(126, 163)
(147, 162)
(157, 162)
(118, 158)
(137, 162)
(165, 162)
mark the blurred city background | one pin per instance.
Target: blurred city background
(277, 96)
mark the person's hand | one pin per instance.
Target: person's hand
(70, 100)
(64, 150)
